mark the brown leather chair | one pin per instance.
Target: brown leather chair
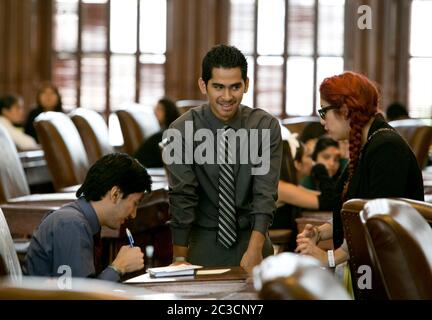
(93, 131)
(400, 244)
(8, 258)
(358, 251)
(41, 288)
(290, 276)
(137, 123)
(185, 105)
(297, 124)
(358, 248)
(64, 151)
(418, 135)
(13, 183)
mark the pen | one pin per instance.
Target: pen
(129, 235)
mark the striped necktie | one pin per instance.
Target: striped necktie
(227, 233)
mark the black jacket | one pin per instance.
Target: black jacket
(387, 168)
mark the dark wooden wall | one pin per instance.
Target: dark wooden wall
(25, 46)
(194, 26)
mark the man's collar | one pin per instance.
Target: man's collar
(90, 214)
(216, 123)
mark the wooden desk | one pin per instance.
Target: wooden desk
(235, 284)
(35, 167)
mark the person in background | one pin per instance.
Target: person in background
(110, 194)
(11, 117)
(310, 134)
(47, 99)
(149, 153)
(328, 153)
(396, 111)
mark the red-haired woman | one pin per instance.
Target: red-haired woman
(381, 163)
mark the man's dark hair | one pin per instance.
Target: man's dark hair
(7, 101)
(396, 111)
(115, 169)
(223, 56)
(312, 130)
(322, 144)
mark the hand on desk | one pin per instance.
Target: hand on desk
(179, 263)
(129, 259)
(250, 259)
(308, 246)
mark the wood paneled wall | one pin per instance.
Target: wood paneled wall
(25, 46)
(194, 26)
(381, 53)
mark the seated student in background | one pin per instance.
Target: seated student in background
(292, 199)
(311, 133)
(110, 194)
(382, 165)
(326, 152)
(11, 117)
(149, 153)
(396, 111)
(47, 99)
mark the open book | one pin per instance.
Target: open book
(173, 271)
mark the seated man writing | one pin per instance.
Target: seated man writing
(110, 194)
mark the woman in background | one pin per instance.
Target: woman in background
(11, 117)
(149, 153)
(47, 99)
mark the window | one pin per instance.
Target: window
(289, 54)
(420, 61)
(109, 52)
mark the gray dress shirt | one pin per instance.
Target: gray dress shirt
(65, 238)
(193, 188)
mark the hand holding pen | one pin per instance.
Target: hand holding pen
(129, 258)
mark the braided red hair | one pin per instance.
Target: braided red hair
(360, 96)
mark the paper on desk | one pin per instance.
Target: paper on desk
(145, 278)
(213, 271)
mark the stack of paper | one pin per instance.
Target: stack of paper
(173, 271)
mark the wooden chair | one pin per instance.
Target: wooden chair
(137, 123)
(418, 135)
(290, 276)
(297, 124)
(399, 240)
(9, 263)
(93, 131)
(185, 105)
(64, 151)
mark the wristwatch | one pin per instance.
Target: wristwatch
(179, 259)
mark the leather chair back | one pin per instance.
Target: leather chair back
(359, 252)
(400, 241)
(185, 105)
(290, 276)
(9, 262)
(418, 135)
(297, 124)
(137, 123)
(64, 151)
(13, 182)
(93, 131)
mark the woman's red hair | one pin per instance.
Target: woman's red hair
(360, 96)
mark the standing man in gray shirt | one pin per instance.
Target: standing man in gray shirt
(110, 194)
(223, 161)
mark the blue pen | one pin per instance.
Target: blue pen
(131, 240)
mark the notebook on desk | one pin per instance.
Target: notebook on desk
(173, 271)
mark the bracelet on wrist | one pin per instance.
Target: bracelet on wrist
(331, 259)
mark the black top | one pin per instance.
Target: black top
(387, 168)
(149, 153)
(193, 193)
(29, 126)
